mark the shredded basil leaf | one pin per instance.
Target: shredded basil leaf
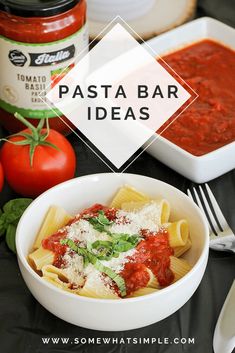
(119, 242)
(113, 275)
(100, 222)
(96, 225)
(105, 250)
(123, 246)
(102, 219)
(88, 256)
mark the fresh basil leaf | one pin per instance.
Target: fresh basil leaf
(102, 243)
(99, 227)
(17, 205)
(89, 246)
(13, 217)
(10, 237)
(120, 242)
(104, 249)
(134, 239)
(105, 257)
(115, 254)
(122, 236)
(3, 224)
(85, 261)
(113, 275)
(70, 244)
(102, 219)
(96, 225)
(123, 246)
(97, 264)
(12, 211)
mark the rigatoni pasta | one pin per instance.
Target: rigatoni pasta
(162, 205)
(128, 194)
(128, 249)
(179, 266)
(180, 250)
(142, 291)
(40, 258)
(178, 233)
(55, 219)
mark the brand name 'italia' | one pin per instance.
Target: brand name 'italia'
(49, 59)
(52, 57)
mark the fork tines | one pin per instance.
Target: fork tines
(209, 206)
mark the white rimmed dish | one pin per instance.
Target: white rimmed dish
(107, 10)
(222, 160)
(101, 314)
(112, 315)
(157, 17)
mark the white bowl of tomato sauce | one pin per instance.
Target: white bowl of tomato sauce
(112, 314)
(200, 143)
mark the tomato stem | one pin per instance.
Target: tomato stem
(34, 139)
(25, 122)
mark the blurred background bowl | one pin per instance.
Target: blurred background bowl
(107, 10)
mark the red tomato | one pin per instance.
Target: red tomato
(1, 178)
(50, 166)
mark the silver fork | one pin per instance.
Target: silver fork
(222, 237)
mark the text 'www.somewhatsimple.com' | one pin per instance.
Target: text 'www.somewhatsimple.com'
(117, 340)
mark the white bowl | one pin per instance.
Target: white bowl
(101, 314)
(213, 164)
(107, 10)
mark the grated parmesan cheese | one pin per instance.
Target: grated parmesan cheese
(117, 263)
(97, 285)
(146, 218)
(83, 231)
(73, 268)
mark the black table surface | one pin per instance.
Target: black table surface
(24, 322)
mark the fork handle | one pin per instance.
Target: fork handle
(225, 243)
(224, 336)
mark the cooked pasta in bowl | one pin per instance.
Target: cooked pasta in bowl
(110, 246)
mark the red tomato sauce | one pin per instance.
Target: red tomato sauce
(53, 244)
(136, 276)
(154, 253)
(92, 211)
(209, 123)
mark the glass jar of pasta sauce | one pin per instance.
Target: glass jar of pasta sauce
(39, 40)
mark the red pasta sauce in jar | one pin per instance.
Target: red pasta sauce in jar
(39, 39)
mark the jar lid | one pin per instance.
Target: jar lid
(37, 8)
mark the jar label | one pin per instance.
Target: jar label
(28, 71)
